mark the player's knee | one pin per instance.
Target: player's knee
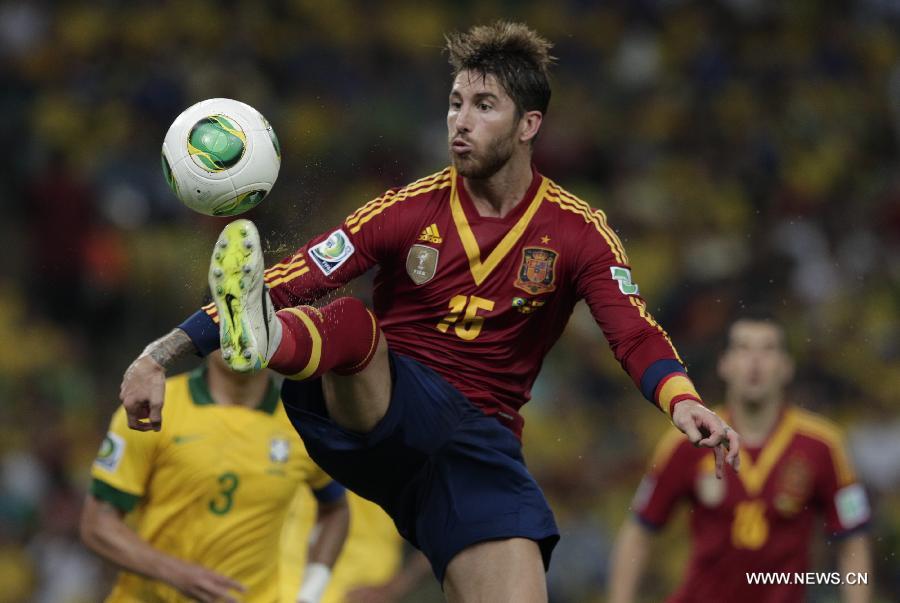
(501, 570)
(361, 334)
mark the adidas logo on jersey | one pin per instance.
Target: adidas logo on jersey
(431, 235)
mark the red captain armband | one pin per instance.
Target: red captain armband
(674, 388)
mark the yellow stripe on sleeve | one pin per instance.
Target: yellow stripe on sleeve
(273, 273)
(676, 385)
(301, 270)
(829, 434)
(281, 271)
(283, 267)
(379, 204)
(642, 310)
(612, 233)
(402, 195)
(599, 218)
(370, 205)
(591, 217)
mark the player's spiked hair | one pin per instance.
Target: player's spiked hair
(513, 53)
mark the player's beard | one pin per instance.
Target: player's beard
(479, 166)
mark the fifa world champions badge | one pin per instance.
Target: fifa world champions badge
(536, 274)
(421, 263)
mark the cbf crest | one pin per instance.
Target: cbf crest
(537, 272)
(279, 449)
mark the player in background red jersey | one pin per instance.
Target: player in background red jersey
(796, 478)
(415, 406)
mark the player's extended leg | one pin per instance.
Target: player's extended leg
(341, 339)
(340, 342)
(497, 570)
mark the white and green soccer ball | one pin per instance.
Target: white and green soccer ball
(221, 157)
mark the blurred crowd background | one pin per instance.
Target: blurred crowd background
(745, 150)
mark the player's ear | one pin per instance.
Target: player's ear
(529, 125)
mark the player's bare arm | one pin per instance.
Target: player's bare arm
(628, 561)
(143, 384)
(104, 531)
(855, 557)
(332, 526)
(414, 570)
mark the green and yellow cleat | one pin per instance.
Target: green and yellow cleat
(249, 331)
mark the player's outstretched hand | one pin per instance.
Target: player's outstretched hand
(201, 584)
(705, 428)
(142, 391)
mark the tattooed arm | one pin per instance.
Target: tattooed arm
(170, 348)
(144, 383)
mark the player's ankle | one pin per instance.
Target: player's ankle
(276, 336)
(290, 355)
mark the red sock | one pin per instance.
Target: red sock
(339, 337)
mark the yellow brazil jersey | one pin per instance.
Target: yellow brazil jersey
(213, 487)
(371, 555)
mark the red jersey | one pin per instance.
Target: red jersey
(481, 300)
(758, 520)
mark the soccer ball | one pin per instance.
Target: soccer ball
(221, 157)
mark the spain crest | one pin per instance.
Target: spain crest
(794, 486)
(536, 274)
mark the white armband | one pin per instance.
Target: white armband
(315, 579)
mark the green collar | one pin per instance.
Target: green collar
(200, 391)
